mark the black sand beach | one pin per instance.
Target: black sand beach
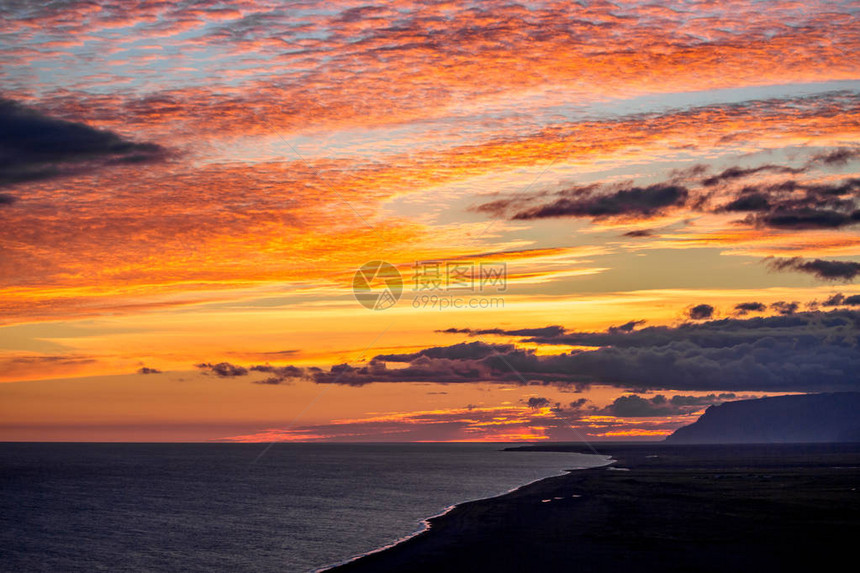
(658, 508)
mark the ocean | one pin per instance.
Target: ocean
(212, 507)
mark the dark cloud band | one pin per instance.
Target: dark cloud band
(810, 351)
(34, 146)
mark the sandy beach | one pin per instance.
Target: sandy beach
(670, 508)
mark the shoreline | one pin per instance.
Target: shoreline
(712, 508)
(426, 523)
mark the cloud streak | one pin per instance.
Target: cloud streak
(587, 202)
(822, 269)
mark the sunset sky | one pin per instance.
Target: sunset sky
(604, 217)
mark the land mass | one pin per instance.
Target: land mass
(659, 507)
(833, 417)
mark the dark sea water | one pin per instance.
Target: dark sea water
(209, 507)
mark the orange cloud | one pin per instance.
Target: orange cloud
(473, 424)
(235, 225)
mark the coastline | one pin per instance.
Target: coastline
(426, 523)
(685, 508)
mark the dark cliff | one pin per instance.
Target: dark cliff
(805, 418)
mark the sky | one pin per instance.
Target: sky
(432, 221)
